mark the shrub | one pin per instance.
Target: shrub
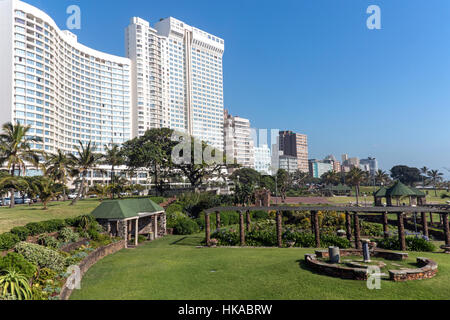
(8, 241)
(21, 232)
(412, 244)
(372, 229)
(41, 256)
(327, 240)
(262, 237)
(174, 207)
(15, 261)
(158, 200)
(48, 241)
(68, 235)
(260, 215)
(225, 237)
(300, 239)
(185, 226)
(35, 228)
(54, 225)
(173, 217)
(142, 238)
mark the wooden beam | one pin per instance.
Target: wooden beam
(316, 228)
(348, 226)
(424, 224)
(357, 231)
(385, 225)
(279, 229)
(401, 231)
(136, 233)
(446, 229)
(218, 220)
(208, 229)
(242, 228)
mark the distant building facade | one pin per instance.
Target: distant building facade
(369, 165)
(318, 167)
(238, 140)
(263, 159)
(295, 145)
(288, 163)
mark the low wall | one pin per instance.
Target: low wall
(75, 245)
(92, 259)
(389, 255)
(335, 270)
(427, 269)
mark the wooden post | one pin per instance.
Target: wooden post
(431, 219)
(218, 220)
(424, 224)
(242, 228)
(348, 225)
(357, 231)
(316, 228)
(136, 233)
(248, 221)
(208, 229)
(401, 231)
(156, 227)
(279, 230)
(312, 221)
(385, 225)
(446, 229)
(130, 230)
(125, 236)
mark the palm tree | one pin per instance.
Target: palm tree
(58, 168)
(84, 160)
(15, 150)
(381, 177)
(355, 177)
(424, 171)
(47, 190)
(114, 157)
(330, 177)
(435, 177)
(100, 190)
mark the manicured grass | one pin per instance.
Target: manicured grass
(173, 268)
(23, 214)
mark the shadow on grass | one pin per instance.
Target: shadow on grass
(188, 241)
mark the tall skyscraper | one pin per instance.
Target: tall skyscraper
(179, 72)
(296, 145)
(65, 91)
(370, 165)
(238, 140)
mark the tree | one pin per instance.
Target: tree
(424, 174)
(354, 178)
(47, 189)
(244, 193)
(114, 157)
(267, 182)
(152, 151)
(283, 182)
(100, 190)
(58, 167)
(405, 174)
(299, 178)
(435, 177)
(381, 177)
(330, 177)
(246, 176)
(15, 150)
(84, 160)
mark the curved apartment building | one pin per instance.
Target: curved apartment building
(65, 91)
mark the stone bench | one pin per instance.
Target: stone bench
(335, 270)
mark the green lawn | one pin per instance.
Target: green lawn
(173, 268)
(23, 214)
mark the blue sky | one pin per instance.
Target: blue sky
(312, 66)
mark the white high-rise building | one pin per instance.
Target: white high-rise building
(64, 90)
(179, 78)
(263, 159)
(238, 140)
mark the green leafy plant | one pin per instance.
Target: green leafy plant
(16, 284)
(8, 241)
(41, 256)
(67, 235)
(186, 226)
(21, 232)
(48, 241)
(15, 261)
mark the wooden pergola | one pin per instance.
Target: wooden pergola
(354, 212)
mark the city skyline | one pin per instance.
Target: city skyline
(407, 79)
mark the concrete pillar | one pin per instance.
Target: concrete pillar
(130, 230)
(208, 229)
(385, 225)
(279, 229)
(446, 229)
(316, 228)
(156, 227)
(348, 226)
(401, 231)
(218, 222)
(424, 224)
(242, 228)
(357, 231)
(126, 233)
(109, 229)
(136, 233)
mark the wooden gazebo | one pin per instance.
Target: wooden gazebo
(397, 191)
(125, 218)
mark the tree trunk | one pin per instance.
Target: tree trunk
(316, 229)
(208, 229)
(446, 229)
(242, 228)
(80, 190)
(218, 222)
(357, 195)
(12, 190)
(431, 219)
